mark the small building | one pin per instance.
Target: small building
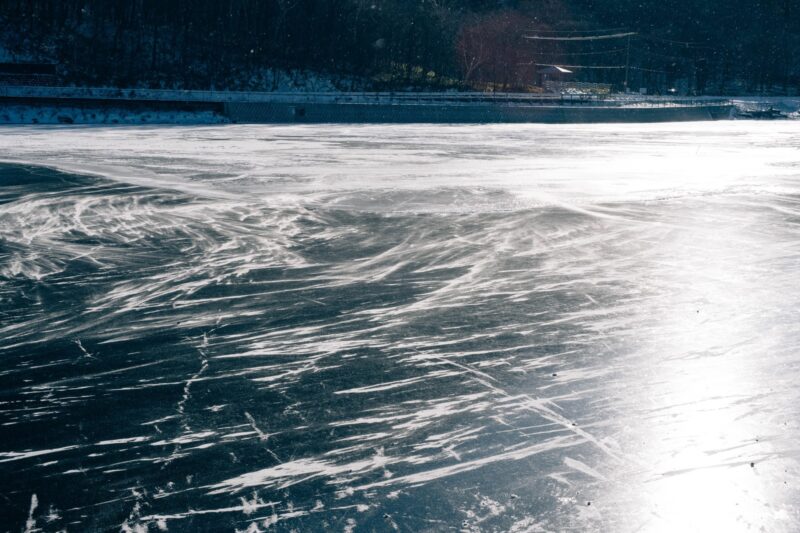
(553, 73)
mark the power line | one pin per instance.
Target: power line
(587, 38)
(614, 51)
(686, 44)
(582, 36)
(610, 67)
(665, 56)
(648, 70)
(598, 67)
(672, 41)
(583, 31)
(570, 35)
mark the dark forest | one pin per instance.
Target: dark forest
(705, 46)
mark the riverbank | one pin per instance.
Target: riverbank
(354, 113)
(71, 105)
(73, 114)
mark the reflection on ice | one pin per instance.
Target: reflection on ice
(511, 328)
(708, 425)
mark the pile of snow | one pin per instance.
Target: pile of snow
(789, 106)
(22, 114)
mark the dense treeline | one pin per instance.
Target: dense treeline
(701, 45)
(745, 45)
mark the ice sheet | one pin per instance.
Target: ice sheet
(478, 328)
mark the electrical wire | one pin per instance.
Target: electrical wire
(685, 44)
(600, 67)
(582, 31)
(614, 51)
(610, 67)
(587, 38)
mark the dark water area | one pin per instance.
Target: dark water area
(367, 360)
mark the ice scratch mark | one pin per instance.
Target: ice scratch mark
(247, 507)
(114, 442)
(534, 405)
(85, 352)
(395, 384)
(187, 392)
(262, 436)
(30, 523)
(446, 471)
(294, 472)
(584, 468)
(186, 438)
(16, 456)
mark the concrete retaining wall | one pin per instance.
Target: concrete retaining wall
(278, 112)
(401, 110)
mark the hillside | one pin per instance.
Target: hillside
(703, 46)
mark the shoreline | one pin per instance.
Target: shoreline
(59, 105)
(285, 113)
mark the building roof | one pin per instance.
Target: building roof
(553, 69)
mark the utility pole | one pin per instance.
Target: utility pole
(621, 34)
(627, 62)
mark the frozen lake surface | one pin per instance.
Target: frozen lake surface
(400, 328)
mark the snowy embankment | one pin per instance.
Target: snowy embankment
(86, 105)
(27, 114)
(786, 105)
